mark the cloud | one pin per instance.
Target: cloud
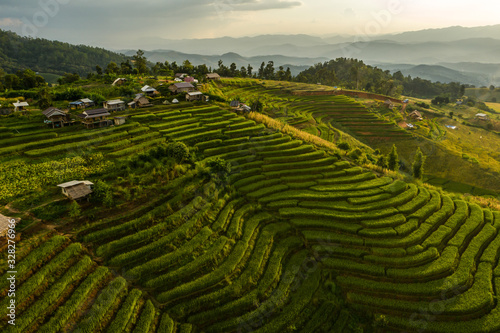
(8, 22)
(254, 5)
(349, 12)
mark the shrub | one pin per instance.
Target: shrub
(344, 146)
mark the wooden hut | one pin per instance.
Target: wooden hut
(76, 190)
(95, 118)
(57, 118)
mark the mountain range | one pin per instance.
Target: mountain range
(467, 55)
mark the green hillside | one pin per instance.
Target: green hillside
(290, 236)
(466, 155)
(51, 57)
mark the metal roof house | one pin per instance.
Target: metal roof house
(95, 118)
(195, 96)
(482, 116)
(76, 105)
(76, 190)
(20, 106)
(88, 102)
(181, 87)
(149, 91)
(114, 105)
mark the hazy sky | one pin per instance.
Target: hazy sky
(134, 24)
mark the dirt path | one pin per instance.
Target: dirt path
(4, 224)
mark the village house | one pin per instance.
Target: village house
(76, 190)
(20, 106)
(114, 105)
(190, 79)
(139, 102)
(234, 104)
(119, 121)
(119, 81)
(87, 102)
(196, 96)
(76, 105)
(149, 91)
(180, 75)
(482, 116)
(181, 87)
(237, 106)
(213, 76)
(57, 118)
(388, 104)
(416, 115)
(95, 118)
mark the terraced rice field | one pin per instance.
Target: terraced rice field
(296, 240)
(316, 114)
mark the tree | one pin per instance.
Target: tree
(232, 70)
(440, 100)
(393, 159)
(140, 62)
(44, 98)
(288, 74)
(257, 106)
(126, 67)
(462, 91)
(492, 87)
(249, 70)
(187, 67)
(68, 78)
(269, 71)
(219, 168)
(179, 151)
(344, 146)
(12, 81)
(74, 209)
(280, 75)
(261, 73)
(382, 161)
(451, 114)
(98, 69)
(418, 164)
(30, 79)
(112, 68)
(243, 71)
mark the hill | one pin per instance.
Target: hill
(51, 57)
(290, 236)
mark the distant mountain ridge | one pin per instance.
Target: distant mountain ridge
(296, 64)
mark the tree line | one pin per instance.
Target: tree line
(355, 74)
